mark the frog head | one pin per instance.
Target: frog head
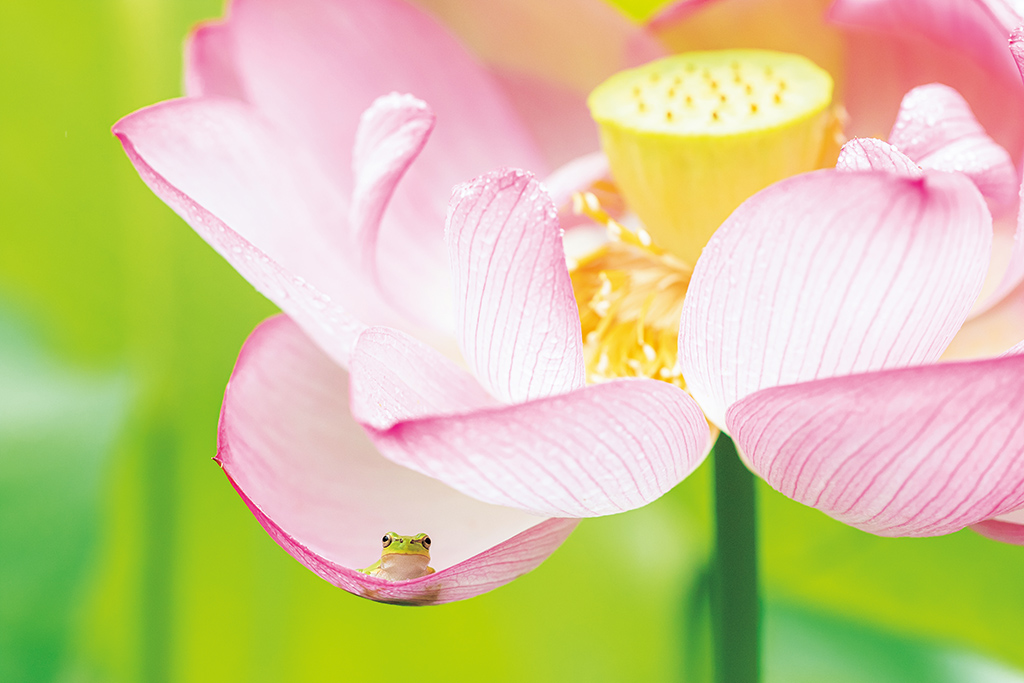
(404, 557)
(394, 544)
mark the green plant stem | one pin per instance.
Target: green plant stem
(735, 606)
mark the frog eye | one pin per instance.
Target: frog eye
(386, 540)
(426, 541)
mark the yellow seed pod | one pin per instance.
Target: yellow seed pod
(691, 136)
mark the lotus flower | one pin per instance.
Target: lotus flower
(291, 158)
(289, 180)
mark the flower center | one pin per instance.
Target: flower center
(630, 296)
(688, 139)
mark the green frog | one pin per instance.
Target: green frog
(402, 558)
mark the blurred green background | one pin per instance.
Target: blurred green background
(126, 556)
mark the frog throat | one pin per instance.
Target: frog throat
(629, 295)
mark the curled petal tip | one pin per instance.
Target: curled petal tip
(871, 154)
(516, 317)
(391, 134)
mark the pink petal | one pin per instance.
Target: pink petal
(516, 317)
(1006, 528)
(894, 45)
(556, 115)
(317, 485)
(1009, 13)
(392, 132)
(993, 332)
(578, 175)
(1014, 350)
(571, 42)
(575, 176)
(1017, 48)
(548, 56)
(1014, 274)
(599, 450)
(1001, 531)
(210, 67)
(313, 66)
(796, 26)
(830, 273)
(241, 187)
(918, 451)
(936, 128)
(396, 377)
(963, 26)
(872, 154)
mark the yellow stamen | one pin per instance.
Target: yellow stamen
(630, 295)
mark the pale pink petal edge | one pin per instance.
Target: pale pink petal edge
(490, 569)
(1004, 532)
(600, 450)
(333, 328)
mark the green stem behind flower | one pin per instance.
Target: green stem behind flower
(735, 605)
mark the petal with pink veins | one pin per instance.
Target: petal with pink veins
(261, 206)
(936, 129)
(872, 154)
(516, 317)
(599, 450)
(391, 133)
(396, 377)
(830, 273)
(320, 489)
(917, 451)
